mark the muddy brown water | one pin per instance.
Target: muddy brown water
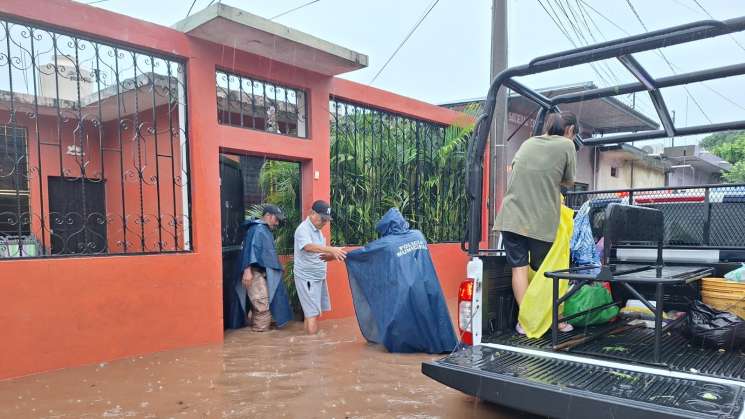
(277, 374)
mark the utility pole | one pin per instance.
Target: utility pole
(497, 150)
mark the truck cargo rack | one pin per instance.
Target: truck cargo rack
(623, 50)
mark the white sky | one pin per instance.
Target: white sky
(447, 59)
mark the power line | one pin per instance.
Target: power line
(411, 32)
(577, 23)
(191, 7)
(294, 9)
(565, 32)
(700, 6)
(582, 40)
(718, 93)
(605, 17)
(96, 2)
(586, 16)
(669, 64)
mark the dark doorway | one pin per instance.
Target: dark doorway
(231, 200)
(77, 216)
(247, 182)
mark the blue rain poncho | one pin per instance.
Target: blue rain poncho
(396, 292)
(258, 250)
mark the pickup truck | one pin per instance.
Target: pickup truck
(617, 375)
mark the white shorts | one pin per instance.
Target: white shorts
(313, 296)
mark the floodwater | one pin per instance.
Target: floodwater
(281, 373)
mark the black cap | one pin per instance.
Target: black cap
(274, 210)
(323, 209)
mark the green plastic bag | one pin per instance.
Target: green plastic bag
(590, 296)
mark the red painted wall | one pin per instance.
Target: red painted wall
(58, 313)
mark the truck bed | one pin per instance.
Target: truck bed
(563, 388)
(637, 346)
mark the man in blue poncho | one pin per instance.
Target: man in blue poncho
(261, 273)
(396, 293)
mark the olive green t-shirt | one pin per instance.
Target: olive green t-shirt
(532, 202)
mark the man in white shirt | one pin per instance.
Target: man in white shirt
(310, 257)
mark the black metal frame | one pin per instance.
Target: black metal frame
(649, 228)
(400, 158)
(710, 228)
(621, 49)
(145, 134)
(253, 112)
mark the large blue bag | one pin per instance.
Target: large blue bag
(396, 293)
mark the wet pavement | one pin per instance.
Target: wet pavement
(281, 373)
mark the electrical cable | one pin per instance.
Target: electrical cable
(294, 9)
(190, 8)
(411, 32)
(669, 64)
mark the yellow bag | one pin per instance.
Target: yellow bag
(535, 311)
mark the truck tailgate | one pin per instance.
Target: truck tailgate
(563, 388)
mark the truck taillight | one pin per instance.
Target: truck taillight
(465, 313)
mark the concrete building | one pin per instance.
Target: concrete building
(597, 117)
(692, 165)
(614, 166)
(110, 167)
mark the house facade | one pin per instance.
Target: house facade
(114, 137)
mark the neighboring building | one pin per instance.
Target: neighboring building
(691, 165)
(615, 166)
(623, 166)
(597, 117)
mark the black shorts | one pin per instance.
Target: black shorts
(522, 250)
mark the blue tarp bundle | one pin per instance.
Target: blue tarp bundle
(582, 246)
(396, 293)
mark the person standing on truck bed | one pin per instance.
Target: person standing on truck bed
(529, 216)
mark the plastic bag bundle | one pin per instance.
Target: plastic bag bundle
(582, 245)
(736, 275)
(535, 310)
(710, 327)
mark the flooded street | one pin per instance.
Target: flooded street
(252, 375)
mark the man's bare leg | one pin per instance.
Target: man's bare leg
(519, 283)
(311, 325)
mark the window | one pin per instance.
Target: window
(14, 194)
(94, 153)
(261, 105)
(614, 172)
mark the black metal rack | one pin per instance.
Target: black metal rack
(621, 49)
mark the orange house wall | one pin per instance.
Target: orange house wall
(65, 312)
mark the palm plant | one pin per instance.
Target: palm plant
(381, 160)
(280, 184)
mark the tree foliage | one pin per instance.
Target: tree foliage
(381, 160)
(730, 146)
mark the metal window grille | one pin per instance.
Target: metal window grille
(258, 104)
(381, 160)
(93, 147)
(695, 216)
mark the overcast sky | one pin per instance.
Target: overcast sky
(447, 59)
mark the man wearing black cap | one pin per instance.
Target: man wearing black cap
(311, 255)
(261, 272)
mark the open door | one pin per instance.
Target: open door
(247, 182)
